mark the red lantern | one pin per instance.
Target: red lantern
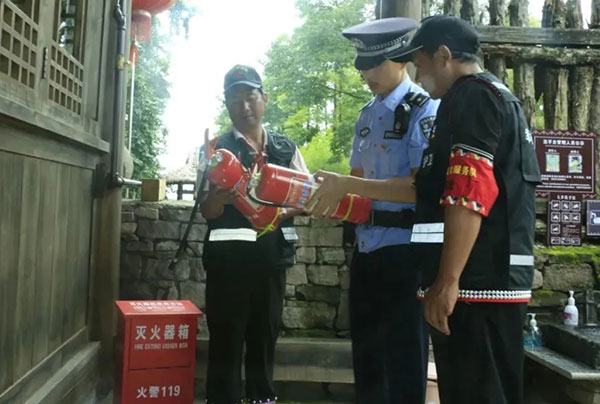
(141, 18)
(152, 6)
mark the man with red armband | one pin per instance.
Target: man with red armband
(475, 217)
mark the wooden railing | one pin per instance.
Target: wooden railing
(180, 190)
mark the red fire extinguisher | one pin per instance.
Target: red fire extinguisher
(226, 172)
(289, 188)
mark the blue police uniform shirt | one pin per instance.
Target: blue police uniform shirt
(382, 156)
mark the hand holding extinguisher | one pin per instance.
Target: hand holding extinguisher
(227, 173)
(284, 187)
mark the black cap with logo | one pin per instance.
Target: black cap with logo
(241, 75)
(455, 33)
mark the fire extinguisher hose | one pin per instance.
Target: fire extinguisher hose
(186, 234)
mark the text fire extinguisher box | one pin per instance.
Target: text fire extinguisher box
(156, 351)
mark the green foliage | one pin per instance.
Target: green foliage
(315, 91)
(318, 156)
(151, 95)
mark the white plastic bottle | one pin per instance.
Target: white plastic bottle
(571, 313)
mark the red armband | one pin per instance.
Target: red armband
(470, 180)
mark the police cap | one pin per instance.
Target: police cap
(457, 34)
(373, 40)
(241, 75)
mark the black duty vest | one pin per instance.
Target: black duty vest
(501, 263)
(271, 250)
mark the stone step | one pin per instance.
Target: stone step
(320, 360)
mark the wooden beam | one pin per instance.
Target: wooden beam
(562, 56)
(539, 36)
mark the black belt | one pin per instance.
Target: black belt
(386, 218)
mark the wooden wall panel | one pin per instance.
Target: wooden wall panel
(11, 175)
(25, 270)
(45, 228)
(45, 250)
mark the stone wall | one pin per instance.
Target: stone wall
(560, 269)
(316, 302)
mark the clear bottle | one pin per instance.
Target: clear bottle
(571, 314)
(533, 335)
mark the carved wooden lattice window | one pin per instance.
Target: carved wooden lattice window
(66, 55)
(19, 42)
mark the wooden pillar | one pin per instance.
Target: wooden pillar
(524, 72)
(595, 22)
(580, 77)
(580, 94)
(398, 8)
(556, 79)
(556, 98)
(574, 15)
(554, 14)
(470, 11)
(497, 12)
(518, 13)
(452, 7)
(497, 63)
(106, 245)
(524, 79)
(425, 8)
(594, 122)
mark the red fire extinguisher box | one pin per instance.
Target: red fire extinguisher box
(156, 351)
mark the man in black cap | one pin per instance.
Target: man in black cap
(475, 217)
(476, 195)
(245, 272)
(389, 334)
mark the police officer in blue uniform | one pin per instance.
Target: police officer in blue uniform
(474, 220)
(389, 334)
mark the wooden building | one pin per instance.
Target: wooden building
(59, 198)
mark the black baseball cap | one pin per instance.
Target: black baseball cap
(455, 33)
(373, 40)
(242, 75)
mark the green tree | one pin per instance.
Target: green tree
(315, 91)
(152, 93)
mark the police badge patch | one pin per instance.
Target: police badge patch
(426, 125)
(364, 132)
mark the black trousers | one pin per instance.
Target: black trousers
(243, 305)
(390, 341)
(481, 361)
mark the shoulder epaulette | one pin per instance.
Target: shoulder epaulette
(416, 99)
